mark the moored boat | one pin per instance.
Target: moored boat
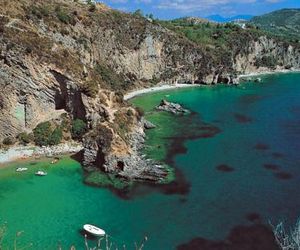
(21, 169)
(96, 231)
(41, 173)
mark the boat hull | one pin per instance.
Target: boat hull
(93, 230)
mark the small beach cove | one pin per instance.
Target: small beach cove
(241, 163)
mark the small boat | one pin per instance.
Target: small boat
(93, 230)
(21, 169)
(41, 173)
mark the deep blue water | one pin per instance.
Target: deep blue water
(259, 143)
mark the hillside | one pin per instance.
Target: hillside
(285, 23)
(220, 19)
(230, 46)
(62, 61)
(192, 20)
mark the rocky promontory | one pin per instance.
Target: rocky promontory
(102, 152)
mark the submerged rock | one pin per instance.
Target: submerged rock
(171, 107)
(258, 79)
(148, 124)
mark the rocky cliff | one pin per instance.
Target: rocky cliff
(66, 56)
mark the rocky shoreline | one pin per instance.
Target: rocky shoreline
(25, 152)
(133, 167)
(143, 169)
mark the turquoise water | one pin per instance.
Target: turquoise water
(255, 124)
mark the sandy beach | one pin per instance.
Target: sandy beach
(139, 92)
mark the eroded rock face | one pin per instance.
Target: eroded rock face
(285, 55)
(25, 100)
(111, 154)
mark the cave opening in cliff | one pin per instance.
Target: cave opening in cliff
(61, 93)
(68, 97)
(121, 165)
(100, 160)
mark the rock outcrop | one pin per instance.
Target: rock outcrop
(104, 151)
(148, 124)
(171, 107)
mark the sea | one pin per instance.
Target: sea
(236, 161)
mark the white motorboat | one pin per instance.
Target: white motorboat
(21, 169)
(41, 173)
(93, 230)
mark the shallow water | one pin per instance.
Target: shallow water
(226, 150)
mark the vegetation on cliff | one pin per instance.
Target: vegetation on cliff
(226, 41)
(45, 134)
(78, 128)
(283, 23)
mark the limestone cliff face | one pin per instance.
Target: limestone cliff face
(27, 94)
(64, 56)
(284, 55)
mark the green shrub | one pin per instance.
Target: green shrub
(92, 7)
(29, 49)
(42, 133)
(109, 76)
(65, 123)
(35, 11)
(84, 41)
(8, 141)
(138, 13)
(129, 113)
(55, 137)
(266, 61)
(62, 15)
(24, 138)
(91, 88)
(64, 32)
(44, 10)
(140, 112)
(116, 15)
(78, 128)
(40, 12)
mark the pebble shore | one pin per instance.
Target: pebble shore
(23, 152)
